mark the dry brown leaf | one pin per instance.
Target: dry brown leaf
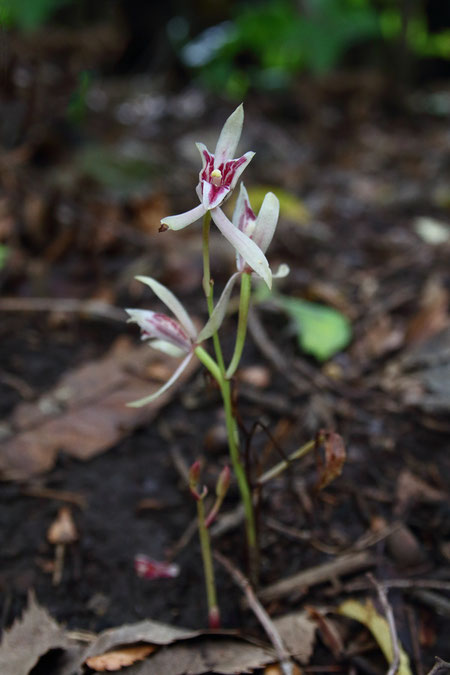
(63, 529)
(152, 632)
(298, 633)
(38, 632)
(222, 655)
(334, 460)
(381, 337)
(119, 658)
(328, 632)
(86, 413)
(412, 489)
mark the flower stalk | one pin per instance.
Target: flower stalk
(250, 235)
(244, 303)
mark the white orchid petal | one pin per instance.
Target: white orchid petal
(184, 219)
(251, 253)
(148, 399)
(229, 137)
(237, 172)
(175, 306)
(167, 348)
(204, 153)
(213, 196)
(215, 321)
(266, 221)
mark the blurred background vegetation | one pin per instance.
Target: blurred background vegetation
(232, 47)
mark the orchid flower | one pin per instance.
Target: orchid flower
(177, 337)
(217, 179)
(258, 229)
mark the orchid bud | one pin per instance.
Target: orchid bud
(194, 476)
(223, 483)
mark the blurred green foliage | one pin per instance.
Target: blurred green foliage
(27, 15)
(265, 44)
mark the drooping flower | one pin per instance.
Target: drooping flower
(217, 179)
(177, 337)
(260, 229)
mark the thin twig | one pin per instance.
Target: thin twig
(439, 666)
(89, 308)
(317, 575)
(414, 633)
(260, 613)
(382, 596)
(407, 584)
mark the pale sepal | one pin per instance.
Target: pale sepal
(148, 399)
(218, 315)
(251, 253)
(266, 221)
(184, 219)
(229, 137)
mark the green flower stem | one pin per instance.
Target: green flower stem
(238, 467)
(205, 544)
(205, 248)
(244, 302)
(208, 286)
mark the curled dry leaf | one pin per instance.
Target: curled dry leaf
(298, 632)
(119, 658)
(62, 530)
(328, 631)
(335, 455)
(378, 626)
(28, 639)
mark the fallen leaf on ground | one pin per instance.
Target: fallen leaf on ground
(28, 639)
(225, 656)
(335, 455)
(193, 652)
(411, 489)
(328, 631)
(86, 413)
(119, 658)
(378, 626)
(298, 633)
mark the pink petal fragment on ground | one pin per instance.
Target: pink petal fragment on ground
(148, 568)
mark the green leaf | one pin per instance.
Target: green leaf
(322, 331)
(4, 252)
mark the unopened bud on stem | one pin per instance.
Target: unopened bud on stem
(223, 482)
